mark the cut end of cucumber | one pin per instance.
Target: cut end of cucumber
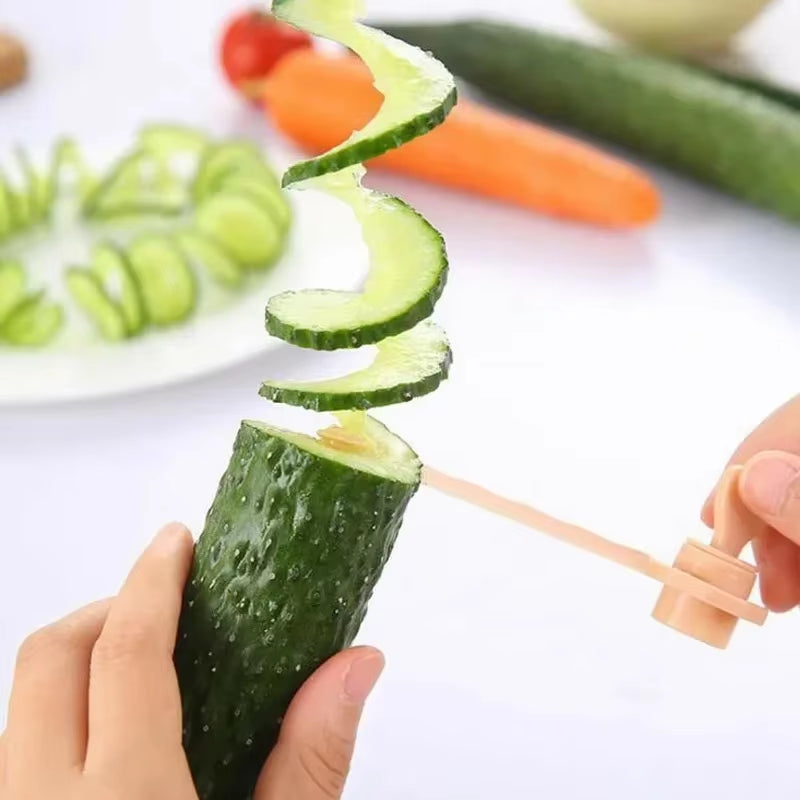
(407, 366)
(386, 456)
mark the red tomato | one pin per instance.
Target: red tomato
(253, 42)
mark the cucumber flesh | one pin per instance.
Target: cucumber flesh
(242, 228)
(104, 313)
(166, 140)
(6, 209)
(225, 159)
(203, 252)
(418, 90)
(67, 156)
(35, 186)
(33, 323)
(292, 549)
(269, 196)
(140, 183)
(110, 267)
(408, 272)
(165, 280)
(12, 287)
(406, 366)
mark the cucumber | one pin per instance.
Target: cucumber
(166, 282)
(407, 366)
(34, 322)
(301, 528)
(67, 155)
(203, 252)
(140, 183)
(269, 196)
(292, 548)
(88, 293)
(12, 287)
(110, 266)
(408, 273)
(224, 159)
(242, 228)
(165, 140)
(35, 186)
(6, 209)
(418, 91)
(719, 133)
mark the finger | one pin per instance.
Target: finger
(769, 486)
(48, 709)
(778, 562)
(134, 701)
(779, 431)
(311, 760)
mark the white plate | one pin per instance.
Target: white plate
(325, 251)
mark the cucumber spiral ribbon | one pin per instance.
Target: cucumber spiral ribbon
(408, 259)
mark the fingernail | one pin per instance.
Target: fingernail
(766, 483)
(362, 676)
(171, 535)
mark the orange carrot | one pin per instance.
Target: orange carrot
(317, 100)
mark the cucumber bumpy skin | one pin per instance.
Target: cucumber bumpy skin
(301, 528)
(733, 137)
(291, 551)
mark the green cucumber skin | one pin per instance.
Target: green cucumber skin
(371, 148)
(341, 401)
(719, 133)
(247, 640)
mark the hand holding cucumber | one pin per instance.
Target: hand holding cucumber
(95, 708)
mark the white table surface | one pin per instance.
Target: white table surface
(605, 377)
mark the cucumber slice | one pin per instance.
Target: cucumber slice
(140, 183)
(67, 156)
(292, 549)
(165, 280)
(35, 186)
(166, 140)
(407, 366)
(12, 287)
(88, 293)
(6, 209)
(224, 159)
(269, 196)
(242, 228)
(110, 267)
(418, 90)
(33, 323)
(203, 252)
(408, 272)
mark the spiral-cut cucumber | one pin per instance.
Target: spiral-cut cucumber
(301, 527)
(408, 259)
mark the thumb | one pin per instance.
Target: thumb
(311, 759)
(769, 486)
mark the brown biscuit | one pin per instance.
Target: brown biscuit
(13, 61)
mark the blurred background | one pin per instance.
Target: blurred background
(604, 374)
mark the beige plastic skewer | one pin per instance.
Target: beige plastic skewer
(705, 591)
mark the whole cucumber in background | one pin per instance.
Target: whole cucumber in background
(718, 131)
